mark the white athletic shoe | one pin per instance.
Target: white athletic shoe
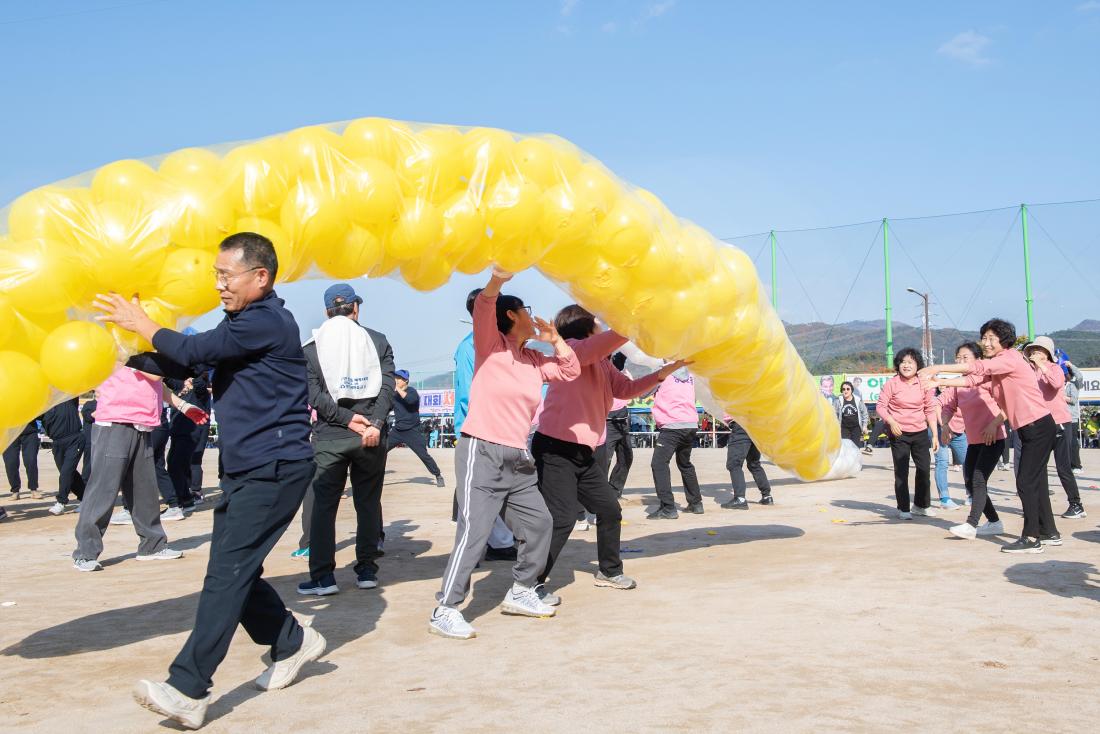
(164, 554)
(449, 622)
(581, 525)
(57, 508)
(965, 530)
(172, 514)
(903, 515)
(524, 601)
(87, 564)
(923, 511)
(283, 673)
(165, 700)
(122, 517)
(991, 528)
(949, 504)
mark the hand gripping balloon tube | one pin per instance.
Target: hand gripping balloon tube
(376, 197)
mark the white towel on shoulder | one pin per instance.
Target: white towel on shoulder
(349, 360)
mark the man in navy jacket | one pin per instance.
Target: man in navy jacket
(260, 395)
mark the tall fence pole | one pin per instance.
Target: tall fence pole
(775, 273)
(889, 308)
(1027, 276)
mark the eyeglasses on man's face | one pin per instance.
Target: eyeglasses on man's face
(224, 278)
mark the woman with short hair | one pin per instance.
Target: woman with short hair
(910, 414)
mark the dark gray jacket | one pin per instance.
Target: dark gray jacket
(333, 416)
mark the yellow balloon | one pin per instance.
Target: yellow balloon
(372, 193)
(352, 257)
(198, 215)
(513, 210)
(419, 229)
(256, 178)
(388, 264)
(24, 388)
(476, 258)
(186, 281)
(487, 154)
(30, 330)
(625, 235)
(567, 219)
(192, 166)
(77, 356)
(543, 163)
(463, 225)
(131, 343)
(430, 165)
(123, 247)
(314, 217)
(375, 137)
(291, 256)
(666, 218)
(39, 276)
(126, 180)
(568, 261)
(50, 212)
(596, 188)
(428, 273)
(7, 322)
(314, 154)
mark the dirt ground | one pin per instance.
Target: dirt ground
(820, 612)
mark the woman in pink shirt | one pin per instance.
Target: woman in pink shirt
(677, 423)
(910, 415)
(983, 423)
(492, 464)
(1012, 382)
(571, 429)
(1052, 384)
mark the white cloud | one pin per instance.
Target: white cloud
(656, 10)
(1088, 7)
(968, 47)
(567, 7)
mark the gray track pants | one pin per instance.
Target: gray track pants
(123, 458)
(491, 476)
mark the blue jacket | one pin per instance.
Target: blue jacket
(260, 392)
(464, 375)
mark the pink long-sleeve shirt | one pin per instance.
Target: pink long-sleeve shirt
(130, 396)
(576, 411)
(674, 402)
(1013, 384)
(507, 384)
(1052, 383)
(974, 408)
(905, 402)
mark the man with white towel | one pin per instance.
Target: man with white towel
(351, 383)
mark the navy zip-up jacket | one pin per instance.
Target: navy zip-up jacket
(260, 392)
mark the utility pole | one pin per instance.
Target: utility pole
(1027, 275)
(775, 274)
(926, 338)
(889, 323)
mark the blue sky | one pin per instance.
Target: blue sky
(741, 116)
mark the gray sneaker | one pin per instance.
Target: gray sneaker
(547, 597)
(122, 517)
(163, 699)
(164, 554)
(172, 514)
(524, 601)
(622, 581)
(87, 564)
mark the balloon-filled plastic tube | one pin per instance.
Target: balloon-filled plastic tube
(377, 197)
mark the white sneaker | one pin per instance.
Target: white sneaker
(923, 511)
(1078, 472)
(164, 554)
(172, 514)
(449, 622)
(283, 673)
(991, 528)
(902, 515)
(57, 508)
(122, 517)
(87, 564)
(524, 601)
(581, 525)
(165, 700)
(965, 530)
(949, 504)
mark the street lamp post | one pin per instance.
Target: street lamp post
(926, 337)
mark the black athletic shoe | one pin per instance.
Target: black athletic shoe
(1075, 512)
(737, 503)
(694, 509)
(366, 579)
(767, 500)
(439, 481)
(1023, 545)
(664, 513)
(501, 554)
(1055, 539)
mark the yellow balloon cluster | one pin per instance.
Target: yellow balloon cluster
(375, 197)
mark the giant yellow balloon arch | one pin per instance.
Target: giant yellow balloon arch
(375, 197)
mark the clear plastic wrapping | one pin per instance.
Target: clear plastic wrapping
(376, 197)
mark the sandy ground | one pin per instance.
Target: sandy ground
(820, 612)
